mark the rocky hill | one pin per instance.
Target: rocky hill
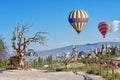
(86, 48)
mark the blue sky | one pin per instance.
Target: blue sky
(52, 16)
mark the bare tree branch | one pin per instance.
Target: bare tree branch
(25, 28)
(18, 28)
(39, 38)
(19, 40)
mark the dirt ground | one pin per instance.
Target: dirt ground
(43, 75)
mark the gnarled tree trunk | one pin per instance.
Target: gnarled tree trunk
(20, 43)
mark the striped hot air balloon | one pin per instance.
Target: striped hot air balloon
(103, 27)
(78, 19)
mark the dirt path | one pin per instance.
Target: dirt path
(42, 75)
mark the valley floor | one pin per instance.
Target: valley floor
(43, 75)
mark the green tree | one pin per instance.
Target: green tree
(3, 53)
(3, 50)
(40, 62)
(49, 60)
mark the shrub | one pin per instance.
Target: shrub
(90, 72)
(117, 75)
(59, 69)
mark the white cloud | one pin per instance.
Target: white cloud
(115, 25)
(117, 39)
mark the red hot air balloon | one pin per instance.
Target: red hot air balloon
(103, 27)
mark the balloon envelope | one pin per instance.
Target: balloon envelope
(78, 19)
(103, 27)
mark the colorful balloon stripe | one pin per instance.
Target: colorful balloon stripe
(78, 19)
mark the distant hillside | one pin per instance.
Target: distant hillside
(86, 48)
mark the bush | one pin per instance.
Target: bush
(90, 72)
(96, 72)
(117, 75)
(59, 69)
(3, 63)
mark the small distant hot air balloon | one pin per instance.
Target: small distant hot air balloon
(103, 27)
(78, 19)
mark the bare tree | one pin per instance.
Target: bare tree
(20, 43)
(66, 59)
